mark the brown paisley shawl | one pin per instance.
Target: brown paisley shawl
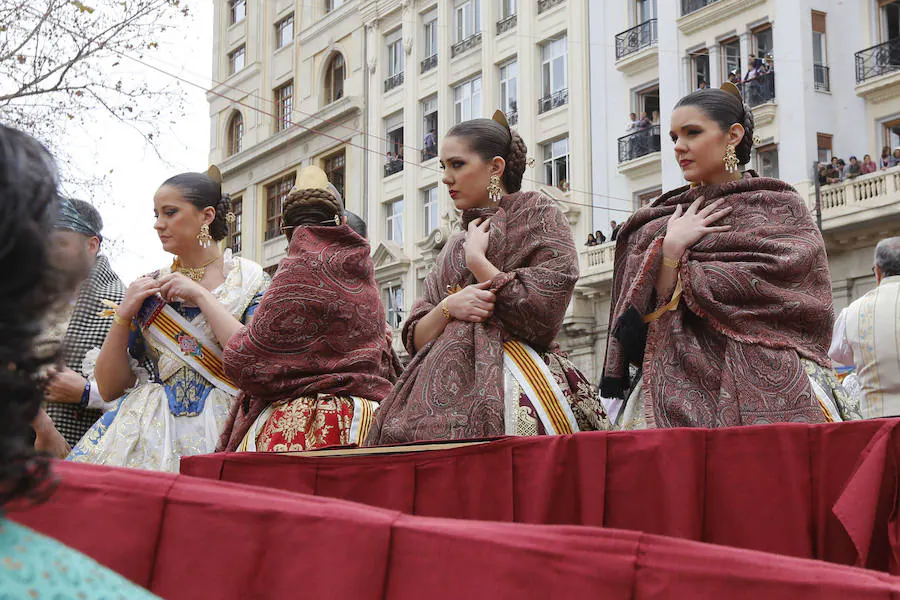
(453, 386)
(756, 300)
(320, 329)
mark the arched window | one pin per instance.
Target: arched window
(235, 134)
(334, 79)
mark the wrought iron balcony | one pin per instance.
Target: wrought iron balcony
(393, 81)
(689, 6)
(636, 38)
(429, 63)
(878, 60)
(760, 90)
(507, 23)
(822, 78)
(393, 166)
(555, 100)
(640, 143)
(544, 5)
(470, 42)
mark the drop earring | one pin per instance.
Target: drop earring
(495, 192)
(730, 159)
(203, 237)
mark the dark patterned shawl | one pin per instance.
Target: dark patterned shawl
(87, 330)
(756, 300)
(320, 329)
(453, 387)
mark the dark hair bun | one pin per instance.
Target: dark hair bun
(218, 229)
(515, 163)
(743, 149)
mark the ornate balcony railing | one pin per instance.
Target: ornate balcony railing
(598, 260)
(473, 41)
(640, 143)
(393, 166)
(507, 23)
(429, 63)
(760, 90)
(848, 199)
(878, 60)
(554, 100)
(822, 78)
(636, 38)
(689, 6)
(545, 5)
(393, 81)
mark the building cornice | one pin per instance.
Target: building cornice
(713, 13)
(881, 88)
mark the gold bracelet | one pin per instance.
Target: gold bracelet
(120, 321)
(671, 263)
(446, 311)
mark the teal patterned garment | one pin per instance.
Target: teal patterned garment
(35, 566)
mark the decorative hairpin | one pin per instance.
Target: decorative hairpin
(215, 174)
(499, 117)
(757, 141)
(530, 162)
(230, 218)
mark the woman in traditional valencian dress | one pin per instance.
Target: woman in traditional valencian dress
(722, 295)
(180, 317)
(315, 362)
(482, 337)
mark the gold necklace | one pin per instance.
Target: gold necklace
(193, 273)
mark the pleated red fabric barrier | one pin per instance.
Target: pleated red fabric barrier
(769, 488)
(189, 538)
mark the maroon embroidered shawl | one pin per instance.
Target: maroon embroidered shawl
(320, 328)
(756, 299)
(453, 387)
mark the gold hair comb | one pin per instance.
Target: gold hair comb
(499, 117)
(732, 89)
(215, 174)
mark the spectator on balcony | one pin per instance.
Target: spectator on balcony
(703, 85)
(644, 122)
(769, 65)
(867, 165)
(843, 169)
(894, 160)
(632, 122)
(601, 239)
(654, 117)
(885, 157)
(865, 336)
(823, 175)
(755, 70)
(591, 241)
(614, 228)
(698, 274)
(735, 77)
(430, 143)
(854, 169)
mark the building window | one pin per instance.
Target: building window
(644, 10)
(891, 132)
(394, 221)
(234, 237)
(824, 146)
(890, 20)
(395, 55)
(393, 127)
(642, 199)
(556, 163)
(647, 103)
(554, 77)
(429, 127)
(762, 41)
(235, 134)
(430, 209)
(393, 301)
(335, 168)
(467, 100)
(507, 8)
(767, 161)
(467, 19)
(334, 79)
(330, 5)
(237, 59)
(238, 11)
(276, 192)
(731, 59)
(431, 35)
(284, 31)
(509, 97)
(284, 103)
(700, 69)
(821, 76)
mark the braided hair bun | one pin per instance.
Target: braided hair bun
(311, 206)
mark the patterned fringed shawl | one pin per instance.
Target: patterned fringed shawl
(756, 299)
(453, 387)
(320, 329)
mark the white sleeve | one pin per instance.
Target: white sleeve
(840, 351)
(96, 400)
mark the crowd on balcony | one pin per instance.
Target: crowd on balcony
(839, 170)
(598, 237)
(645, 122)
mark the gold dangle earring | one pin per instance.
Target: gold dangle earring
(731, 159)
(203, 237)
(494, 190)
